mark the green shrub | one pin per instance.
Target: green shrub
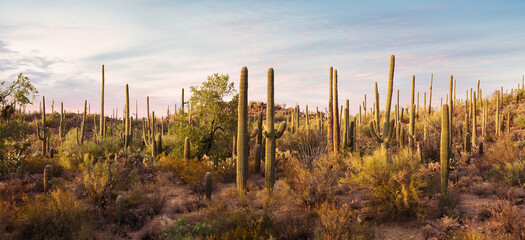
(190, 171)
(395, 184)
(506, 161)
(59, 215)
(182, 230)
(520, 121)
(72, 154)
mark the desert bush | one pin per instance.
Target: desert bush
(190, 171)
(394, 183)
(506, 221)
(59, 215)
(317, 184)
(507, 163)
(309, 145)
(182, 230)
(103, 178)
(339, 221)
(72, 154)
(38, 163)
(520, 121)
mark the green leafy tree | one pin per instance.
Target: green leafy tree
(20, 92)
(212, 119)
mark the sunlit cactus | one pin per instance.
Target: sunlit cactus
(388, 125)
(242, 133)
(270, 133)
(444, 150)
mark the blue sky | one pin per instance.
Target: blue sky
(159, 47)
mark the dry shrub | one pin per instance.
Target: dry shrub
(430, 174)
(395, 184)
(339, 221)
(190, 171)
(309, 145)
(506, 160)
(59, 215)
(506, 221)
(38, 163)
(317, 184)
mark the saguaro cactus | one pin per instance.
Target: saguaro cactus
(48, 174)
(412, 123)
(80, 140)
(388, 125)
(330, 113)
(209, 187)
(450, 110)
(42, 130)
(242, 132)
(474, 123)
(119, 207)
(182, 101)
(62, 125)
(444, 150)
(337, 129)
(430, 94)
(187, 148)
(102, 119)
(128, 137)
(271, 134)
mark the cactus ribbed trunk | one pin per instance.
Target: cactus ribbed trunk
(119, 207)
(270, 133)
(48, 174)
(209, 187)
(187, 148)
(330, 113)
(127, 137)
(474, 122)
(450, 110)
(336, 130)
(444, 150)
(182, 101)
(242, 133)
(430, 94)
(102, 119)
(388, 125)
(412, 116)
(497, 115)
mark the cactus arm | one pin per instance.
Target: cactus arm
(280, 131)
(373, 132)
(254, 132)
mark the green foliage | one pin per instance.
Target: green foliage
(190, 171)
(72, 154)
(339, 221)
(520, 121)
(59, 215)
(20, 92)
(507, 163)
(395, 184)
(182, 230)
(211, 122)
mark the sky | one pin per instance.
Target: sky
(159, 47)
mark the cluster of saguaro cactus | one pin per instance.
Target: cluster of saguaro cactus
(270, 133)
(42, 130)
(388, 125)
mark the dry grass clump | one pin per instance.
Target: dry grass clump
(59, 215)
(506, 221)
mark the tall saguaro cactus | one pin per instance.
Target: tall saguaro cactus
(258, 142)
(430, 94)
(474, 122)
(242, 132)
(450, 110)
(80, 140)
(335, 118)
(62, 125)
(102, 119)
(444, 150)
(388, 125)
(271, 134)
(128, 137)
(412, 116)
(42, 130)
(330, 112)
